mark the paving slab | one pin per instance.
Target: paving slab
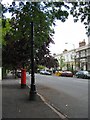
(16, 103)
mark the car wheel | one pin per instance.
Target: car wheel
(77, 76)
(85, 77)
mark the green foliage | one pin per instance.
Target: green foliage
(17, 31)
(31, 12)
(0, 31)
(40, 67)
(81, 11)
(6, 27)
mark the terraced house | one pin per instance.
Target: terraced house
(67, 60)
(83, 56)
(75, 59)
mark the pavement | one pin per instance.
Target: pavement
(16, 102)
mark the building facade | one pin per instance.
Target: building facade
(83, 57)
(76, 59)
(67, 58)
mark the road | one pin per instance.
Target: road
(68, 95)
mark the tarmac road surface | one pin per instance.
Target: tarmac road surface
(68, 95)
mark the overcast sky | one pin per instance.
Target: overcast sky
(69, 32)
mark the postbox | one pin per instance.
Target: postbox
(23, 78)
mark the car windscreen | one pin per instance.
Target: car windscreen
(86, 72)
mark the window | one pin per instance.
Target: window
(83, 53)
(77, 55)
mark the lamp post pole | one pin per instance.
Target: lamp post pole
(33, 92)
(74, 55)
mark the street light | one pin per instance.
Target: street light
(33, 92)
(74, 54)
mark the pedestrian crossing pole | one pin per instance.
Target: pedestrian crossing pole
(33, 92)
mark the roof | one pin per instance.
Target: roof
(83, 47)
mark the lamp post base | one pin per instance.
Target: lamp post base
(33, 93)
(23, 85)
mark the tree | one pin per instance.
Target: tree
(43, 15)
(0, 31)
(50, 62)
(81, 11)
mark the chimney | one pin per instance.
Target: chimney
(54, 54)
(65, 50)
(82, 43)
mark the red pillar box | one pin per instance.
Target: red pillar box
(23, 78)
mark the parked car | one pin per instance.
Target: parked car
(58, 73)
(18, 74)
(67, 74)
(83, 74)
(44, 72)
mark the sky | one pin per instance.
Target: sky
(67, 32)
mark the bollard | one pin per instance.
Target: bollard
(23, 78)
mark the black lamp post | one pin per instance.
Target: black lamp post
(33, 92)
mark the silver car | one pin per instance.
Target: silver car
(83, 74)
(44, 72)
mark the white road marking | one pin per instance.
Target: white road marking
(51, 106)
